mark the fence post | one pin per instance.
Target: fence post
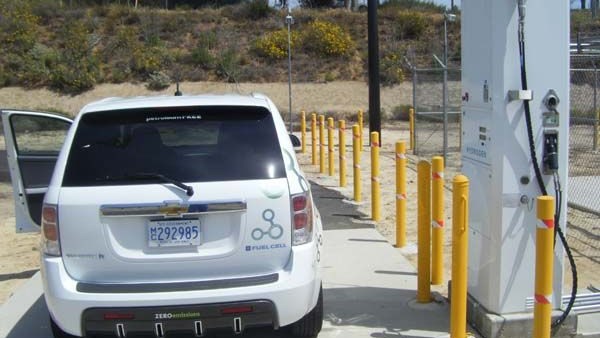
(415, 109)
(544, 260)
(424, 232)
(375, 180)
(330, 155)
(356, 162)
(321, 144)
(303, 130)
(437, 229)
(460, 248)
(411, 127)
(400, 194)
(342, 152)
(596, 112)
(313, 129)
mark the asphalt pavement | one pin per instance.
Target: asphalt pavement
(369, 287)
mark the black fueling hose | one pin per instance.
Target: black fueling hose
(538, 174)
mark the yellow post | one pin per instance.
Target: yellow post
(544, 260)
(313, 129)
(460, 246)
(400, 194)
(356, 162)
(360, 128)
(411, 127)
(303, 130)
(424, 232)
(342, 151)
(437, 224)
(321, 144)
(375, 181)
(330, 155)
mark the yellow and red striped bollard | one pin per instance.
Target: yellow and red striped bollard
(437, 223)
(303, 131)
(375, 180)
(356, 163)
(321, 144)
(424, 232)
(360, 129)
(330, 154)
(400, 194)
(342, 151)
(544, 260)
(313, 129)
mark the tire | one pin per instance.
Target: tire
(57, 332)
(310, 325)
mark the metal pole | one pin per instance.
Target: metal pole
(375, 180)
(460, 260)
(400, 194)
(445, 88)
(595, 146)
(356, 162)
(424, 232)
(373, 40)
(289, 19)
(415, 110)
(544, 260)
(437, 224)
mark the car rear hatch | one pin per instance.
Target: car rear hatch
(126, 213)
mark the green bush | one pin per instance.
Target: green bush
(228, 65)
(203, 55)
(274, 45)
(391, 71)
(327, 39)
(77, 66)
(410, 25)
(18, 26)
(158, 81)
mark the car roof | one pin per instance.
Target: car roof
(118, 103)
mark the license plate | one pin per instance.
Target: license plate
(168, 233)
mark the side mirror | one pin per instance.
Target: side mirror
(295, 141)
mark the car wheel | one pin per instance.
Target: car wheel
(57, 332)
(310, 325)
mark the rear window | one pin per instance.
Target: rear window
(188, 144)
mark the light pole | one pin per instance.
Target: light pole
(289, 20)
(451, 18)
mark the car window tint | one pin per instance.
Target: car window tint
(190, 144)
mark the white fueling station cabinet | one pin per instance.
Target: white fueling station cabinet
(495, 148)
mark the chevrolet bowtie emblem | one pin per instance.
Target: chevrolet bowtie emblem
(173, 209)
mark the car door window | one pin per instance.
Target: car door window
(38, 135)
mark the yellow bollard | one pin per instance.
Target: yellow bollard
(460, 247)
(424, 232)
(400, 194)
(437, 224)
(544, 260)
(330, 155)
(303, 131)
(342, 151)
(321, 144)
(356, 162)
(313, 129)
(375, 181)
(360, 128)
(411, 127)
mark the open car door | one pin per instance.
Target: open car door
(33, 141)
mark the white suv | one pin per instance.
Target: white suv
(168, 216)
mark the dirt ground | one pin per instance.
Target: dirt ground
(19, 256)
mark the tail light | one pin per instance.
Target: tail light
(50, 236)
(302, 218)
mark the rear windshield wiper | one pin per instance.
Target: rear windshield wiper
(148, 176)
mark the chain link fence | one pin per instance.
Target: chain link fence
(428, 101)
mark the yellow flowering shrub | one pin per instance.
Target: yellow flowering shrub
(327, 39)
(274, 45)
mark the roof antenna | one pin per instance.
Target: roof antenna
(178, 92)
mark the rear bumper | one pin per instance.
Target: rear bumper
(293, 295)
